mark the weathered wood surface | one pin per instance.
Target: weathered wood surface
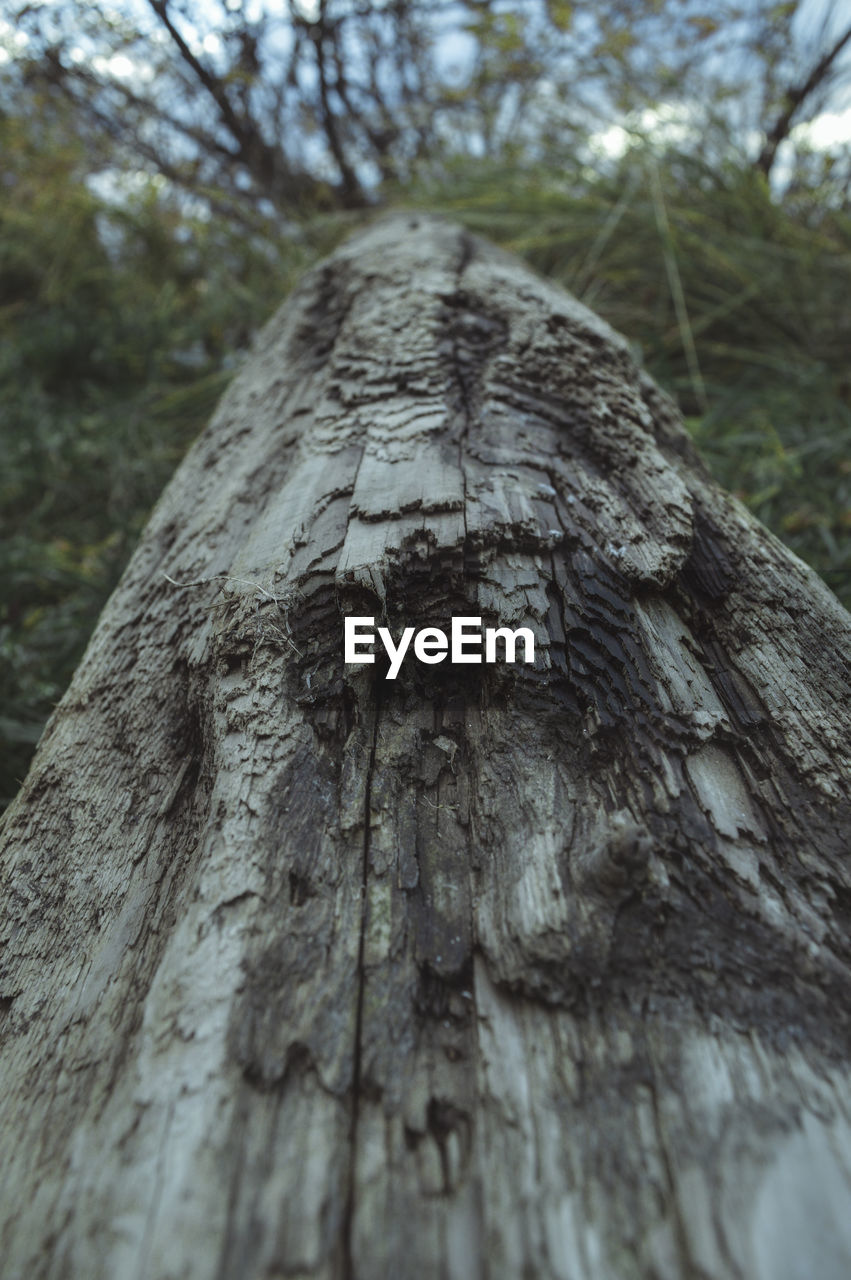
(488, 972)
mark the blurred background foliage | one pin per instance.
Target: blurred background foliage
(168, 170)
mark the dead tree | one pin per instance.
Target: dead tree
(488, 971)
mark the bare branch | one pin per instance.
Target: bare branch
(794, 99)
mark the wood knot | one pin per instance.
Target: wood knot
(616, 857)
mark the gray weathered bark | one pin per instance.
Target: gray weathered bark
(490, 971)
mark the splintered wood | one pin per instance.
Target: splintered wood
(535, 970)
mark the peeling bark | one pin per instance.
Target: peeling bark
(491, 971)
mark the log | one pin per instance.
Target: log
(500, 970)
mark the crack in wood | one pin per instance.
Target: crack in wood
(349, 1271)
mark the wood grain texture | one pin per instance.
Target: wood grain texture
(491, 971)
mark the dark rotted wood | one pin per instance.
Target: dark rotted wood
(488, 971)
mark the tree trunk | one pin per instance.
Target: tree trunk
(490, 971)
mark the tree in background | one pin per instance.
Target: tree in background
(305, 103)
